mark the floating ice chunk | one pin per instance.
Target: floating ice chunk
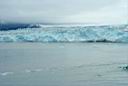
(38, 70)
(6, 73)
(125, 68)
(34, 70)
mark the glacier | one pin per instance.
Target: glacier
(67, 33)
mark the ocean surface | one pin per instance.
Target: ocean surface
(63, 55)
(63, 64)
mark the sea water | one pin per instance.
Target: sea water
(63, 64)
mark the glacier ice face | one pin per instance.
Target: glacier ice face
(67, 34)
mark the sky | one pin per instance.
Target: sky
(64, 11)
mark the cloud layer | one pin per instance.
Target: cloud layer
(64, 11)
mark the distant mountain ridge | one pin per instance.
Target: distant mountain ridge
(6, 27)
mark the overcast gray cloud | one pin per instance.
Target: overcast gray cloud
(64, 11)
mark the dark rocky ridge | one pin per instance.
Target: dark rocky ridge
(6, 27)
